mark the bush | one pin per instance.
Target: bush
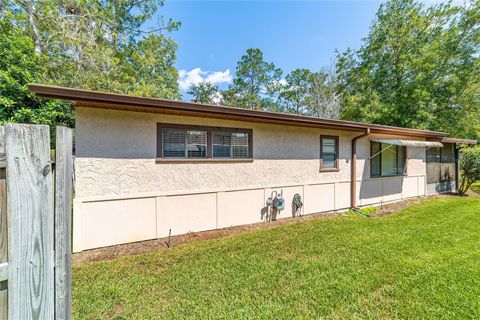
(469, 168)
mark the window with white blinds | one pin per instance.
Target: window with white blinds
(201, 142)
(184, 143)
(230, 144)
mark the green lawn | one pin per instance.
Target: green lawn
(423, 262)
(476, 187)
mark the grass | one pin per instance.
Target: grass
(422, 263)
(476, 187)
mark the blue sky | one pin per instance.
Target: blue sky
(292, 34)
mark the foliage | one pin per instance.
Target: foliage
(469, 166)
(403, 266)
(325, 101)
(256, 83)
(20, 65)
(476, 187)
(204, 92)
(418, 67)
(96, 45)
(295, 94)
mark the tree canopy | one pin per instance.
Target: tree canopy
(255, 82)
(204, 92)
(96, 45)
(418, 67)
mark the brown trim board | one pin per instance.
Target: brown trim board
(142, 104)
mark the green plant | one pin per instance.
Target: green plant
(469, 168)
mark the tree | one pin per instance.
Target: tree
(418, 67)
(19, 65)
(101, 45)
(311, 93)
(204, 92)
(469, 168)
(96, 45)
(256, 83)
(295, 94)
(325, 101)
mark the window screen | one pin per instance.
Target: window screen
(230, 144)
(387, 159)
(222, 144)
(239, 145)
(203, 142)
(184, 143)
(329, 152)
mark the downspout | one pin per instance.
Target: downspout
(353, 173)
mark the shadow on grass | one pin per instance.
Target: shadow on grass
(476, 187)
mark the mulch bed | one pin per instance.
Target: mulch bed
(164, 243)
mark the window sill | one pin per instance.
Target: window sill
(205, 160)
(390, 176)
(330, 170)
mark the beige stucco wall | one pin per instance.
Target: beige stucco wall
(116, 151)
(117, 178)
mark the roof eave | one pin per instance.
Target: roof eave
(144, 104)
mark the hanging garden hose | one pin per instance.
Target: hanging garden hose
(297, 201)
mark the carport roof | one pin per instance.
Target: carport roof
(94, 99)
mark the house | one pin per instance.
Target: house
(146, 168)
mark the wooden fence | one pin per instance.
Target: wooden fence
(35, 223)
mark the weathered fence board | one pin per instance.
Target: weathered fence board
(3, 217)
(63, 212)
(3, 230)
(30, 219)
(2, 147)
(3, 301)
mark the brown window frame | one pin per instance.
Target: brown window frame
(405, 162)
(337, 153)
(209, 130)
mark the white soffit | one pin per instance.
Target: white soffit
(410, 143)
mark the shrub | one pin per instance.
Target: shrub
(469, 168)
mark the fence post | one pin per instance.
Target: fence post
(30, 222)
(63, 213)
(3, 231)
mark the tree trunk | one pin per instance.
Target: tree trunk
(30, 7)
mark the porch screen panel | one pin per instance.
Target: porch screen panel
(447, 166)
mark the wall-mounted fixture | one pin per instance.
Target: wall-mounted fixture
(276, 201)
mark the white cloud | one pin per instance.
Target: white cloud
(197, 75)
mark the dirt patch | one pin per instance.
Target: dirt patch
(112, 252)
(164, 243)
(393, 207)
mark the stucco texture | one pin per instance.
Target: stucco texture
(120, 183)
(116, 153)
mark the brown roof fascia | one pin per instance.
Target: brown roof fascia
(459, 141)
(143, 104)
